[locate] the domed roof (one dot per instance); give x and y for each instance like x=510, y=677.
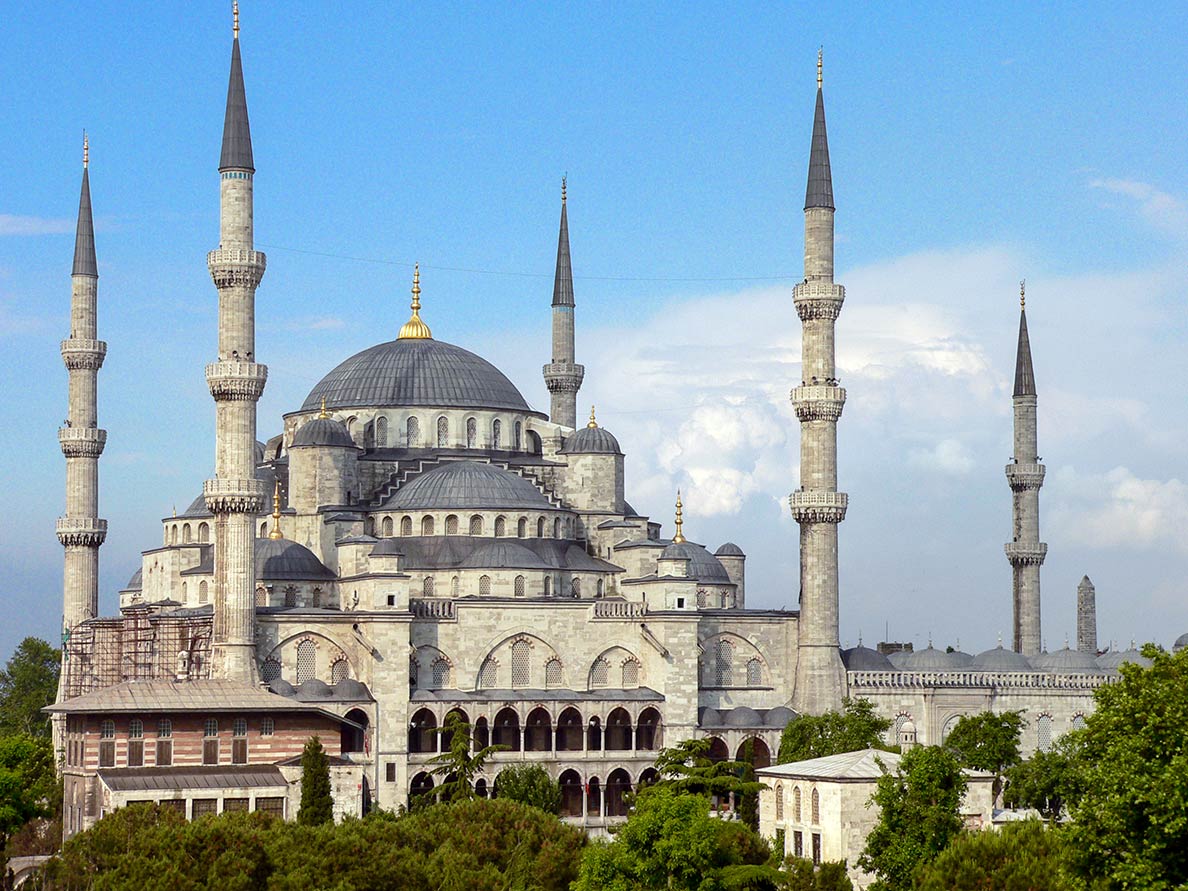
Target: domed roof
x=703, y=566
x=135, y=583
x=314, y=689
x=322, y=432
x=932, y=659
x=729, y=549
x=502, y=554
x=412, y=372
x=284, y=560
x=1068, y=661
x=1111, y=659
x=281, y=687
x=468, y=485
x=898, y=658
x=1181, y=642
x=999, y=659
x=862, y=658
x=708, y=717
x=591, y=441
x=778, y=716
x=742, y=716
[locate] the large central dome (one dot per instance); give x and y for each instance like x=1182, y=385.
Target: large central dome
x=410, y=372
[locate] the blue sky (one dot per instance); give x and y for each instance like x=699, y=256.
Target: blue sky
x=972, y=146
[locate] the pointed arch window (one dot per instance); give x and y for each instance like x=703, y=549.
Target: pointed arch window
x=427, y=586
x=455, y=587
x=779, y=802
x=816, y=808
x=540, y=527
x=443, y=432
x=556, y=527
x=203, y=533
x=1043, y=729
x=522, y=528
x=270, y=671
x=521, y=652
x=600, y=673
x=724, y=668
x=500, y=527
x=307, y=654
x=387, y=527
x=754, y=673
x=340, y=671
x=553, y=673
x=471, y=433
x=630, y=674
x=440, y=673
x=488, y=675
x=548, y=586
x=406, y=526
x=291, y=598
x=517, y=436
x=203, y=592
x=575, y=587
x=496, y=433
x=797, y=812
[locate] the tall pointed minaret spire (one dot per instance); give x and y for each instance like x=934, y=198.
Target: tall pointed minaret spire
x=563, y=376
x=236, y=381
x=1025, y=475
x=817, y=505
x=80, y=531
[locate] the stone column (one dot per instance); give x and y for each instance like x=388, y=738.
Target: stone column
x=1087, y=617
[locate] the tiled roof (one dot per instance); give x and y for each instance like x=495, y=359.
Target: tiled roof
x=170, y=696
x=138, y=779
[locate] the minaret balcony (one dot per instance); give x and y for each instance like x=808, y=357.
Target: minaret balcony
x=82, y=442
x=231, y=496
x=818, y=300
x=818, y=507
x=236, y=381
x=563, y=377
x=817, y=402
x=233, y=267
x=1025, y=554
x=78, y=353
x=1022, y=477
x=81, y=531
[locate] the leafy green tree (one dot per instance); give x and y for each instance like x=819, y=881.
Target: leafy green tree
x=317, y=805
x=1047, y=780
x=688, y=768
x=529, y=784
x=855, y=727
x=28, y=683
x=458, y=765
x=987, y=741
x=1129, y=826
x=799, y=874
x=29, y=787
x=748, y=801
x=1019, y=857
x=917, y=816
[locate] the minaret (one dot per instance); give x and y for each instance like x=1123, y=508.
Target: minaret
x=1087, y=617
x=563, y=376
x=81, y=531
x=236, y=381
x=1025, y=475
x=817, y=505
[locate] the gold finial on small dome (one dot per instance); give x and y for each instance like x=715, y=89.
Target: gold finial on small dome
x=235, y=19
x=414, y=328
x=820, y=64
x=322, y=413
x=86, y=150
x=1023, y=294
x=276, y=530
x=592, y=422
x=679, y=537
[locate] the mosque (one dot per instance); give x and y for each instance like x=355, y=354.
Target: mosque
x=418, y=541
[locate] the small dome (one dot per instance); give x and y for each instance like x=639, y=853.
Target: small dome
x=591, y=441
x=502, y=554
x=703, y=566
x=1110, y=660
x=932, y=659
x=862, y=658
x=259, y=452
x=778, y=716
x=314, y=689
x=349, y=688
x=1041, y=661
x=197, y=508
x=284, y=560
x=1068, y=661
x=742, y=716
x=898, y=658
x=999, y=659
x=708, y=717
x=323, y=432
x=466, y=485
x=135, y=583
x=1181, y=642
x=281, y=687
x=730, y=549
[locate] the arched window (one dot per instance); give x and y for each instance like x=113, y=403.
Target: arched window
x=630, y=674
x=779, y=802
x=136, y=743
x=173, y=534
x=797, y=815
x=203, y=532
x=754, y=673
x=427, y=586
x=270, y=670
x=548, y=586
x=894, y=733
x=291, y=598
x=476, y=525
x=522, y=528
x=488, y=675
x=164, y=743
x=381, y=432
x=369, y=435
x=426, y=525
x=553, y=673
x=439, y=674
x=519, y=586
x=414, y=432
x=556, y=527
x=496, y=433
x=948, y=728
x=455, y=587
x=598, y=589
x=387, y=527
x=406, y=525
x=471, y=433
x=500, y=527
x=443, y=432
x=340, y=670
x=701, y=602
x=575, y=587
x=1078, y=722
x=1043, y=730
x=540, y=527
x=484, y=586
x=724, y=667
x=263, y=530
x=186, y=533
x=307, y=654
x=816, y=808
x=600, y=673
x=452, y=525
x=203, y=592
x=368, y=526
x=518, y=436
x=107, y=744
x=521, y=663
x=316, y=598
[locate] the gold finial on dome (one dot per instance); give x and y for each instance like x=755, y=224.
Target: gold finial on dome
x=679, y=537
x=592, y=422
x=414, y=328
x=235, y=19
x=820, y=64
x=276, y=530
x=86, y=150
x=1023, y=294
x=322, y=413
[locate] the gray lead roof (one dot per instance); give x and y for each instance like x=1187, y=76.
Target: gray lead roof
x=820, y=181
x=237, y=136
x=468, y=485
x=1024, y=373
x=563, y=280
x=84, y=236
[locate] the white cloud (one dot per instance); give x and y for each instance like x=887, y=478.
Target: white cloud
x=1118, y=509
x=948, y=456
x=1158, y=208
x=10, y=224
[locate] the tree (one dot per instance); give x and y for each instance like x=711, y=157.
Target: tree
x=29, y=787
x=457, y=765
x=855, y=727
x=1020, y=857
x=1129, y=826
x=1047, y=780
x=748, y=801
x=799, y=874
x=917, y=816
x=317, y=805
x=28, y=683
x=529, y=784
x=688, y=768
x=987, y=741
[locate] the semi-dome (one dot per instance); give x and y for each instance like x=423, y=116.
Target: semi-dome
x=703, y=566
x=591, y=441
x=1068, y=661
x=461, y=485
x=999, y=659
x=284, y=560
x=1111, y=659
x=862, y=658
x=412, y=372
x=322, y=432
x=729, y=549
x=1181, y=642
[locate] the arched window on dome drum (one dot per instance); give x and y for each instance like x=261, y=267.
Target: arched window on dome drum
x=270, y=670
x=387, y=527
x=522, y=528
x=183, y=592
x=203, y=592
x=471, y=433
x=754, y=673
x=261, y=594
x=519, y=586
x=316, y=598
x=500, y=527
x=724, y=668
x=443, y=432
x=203, y=532
x=406, y=526
x=427, y=586
x=521, y=672
x=173, y=534
x=263, y=530
x=575, y=587
x=186, y=533
x=701, y=603
x=484, y=586
x=307, y=653
x=414, y=432
x=426, y=525
x=476, y=525
x=556, y=527
x=496, y=433
x=540, y=527
x=340, y=671
x=518, y=436
x=452, y=524
x=548, y=586
x=381, y=432
x=290, y=596
x=455, y=587
x=369, y=526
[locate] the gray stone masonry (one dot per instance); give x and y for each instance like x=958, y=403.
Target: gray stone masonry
x=1086, y=617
